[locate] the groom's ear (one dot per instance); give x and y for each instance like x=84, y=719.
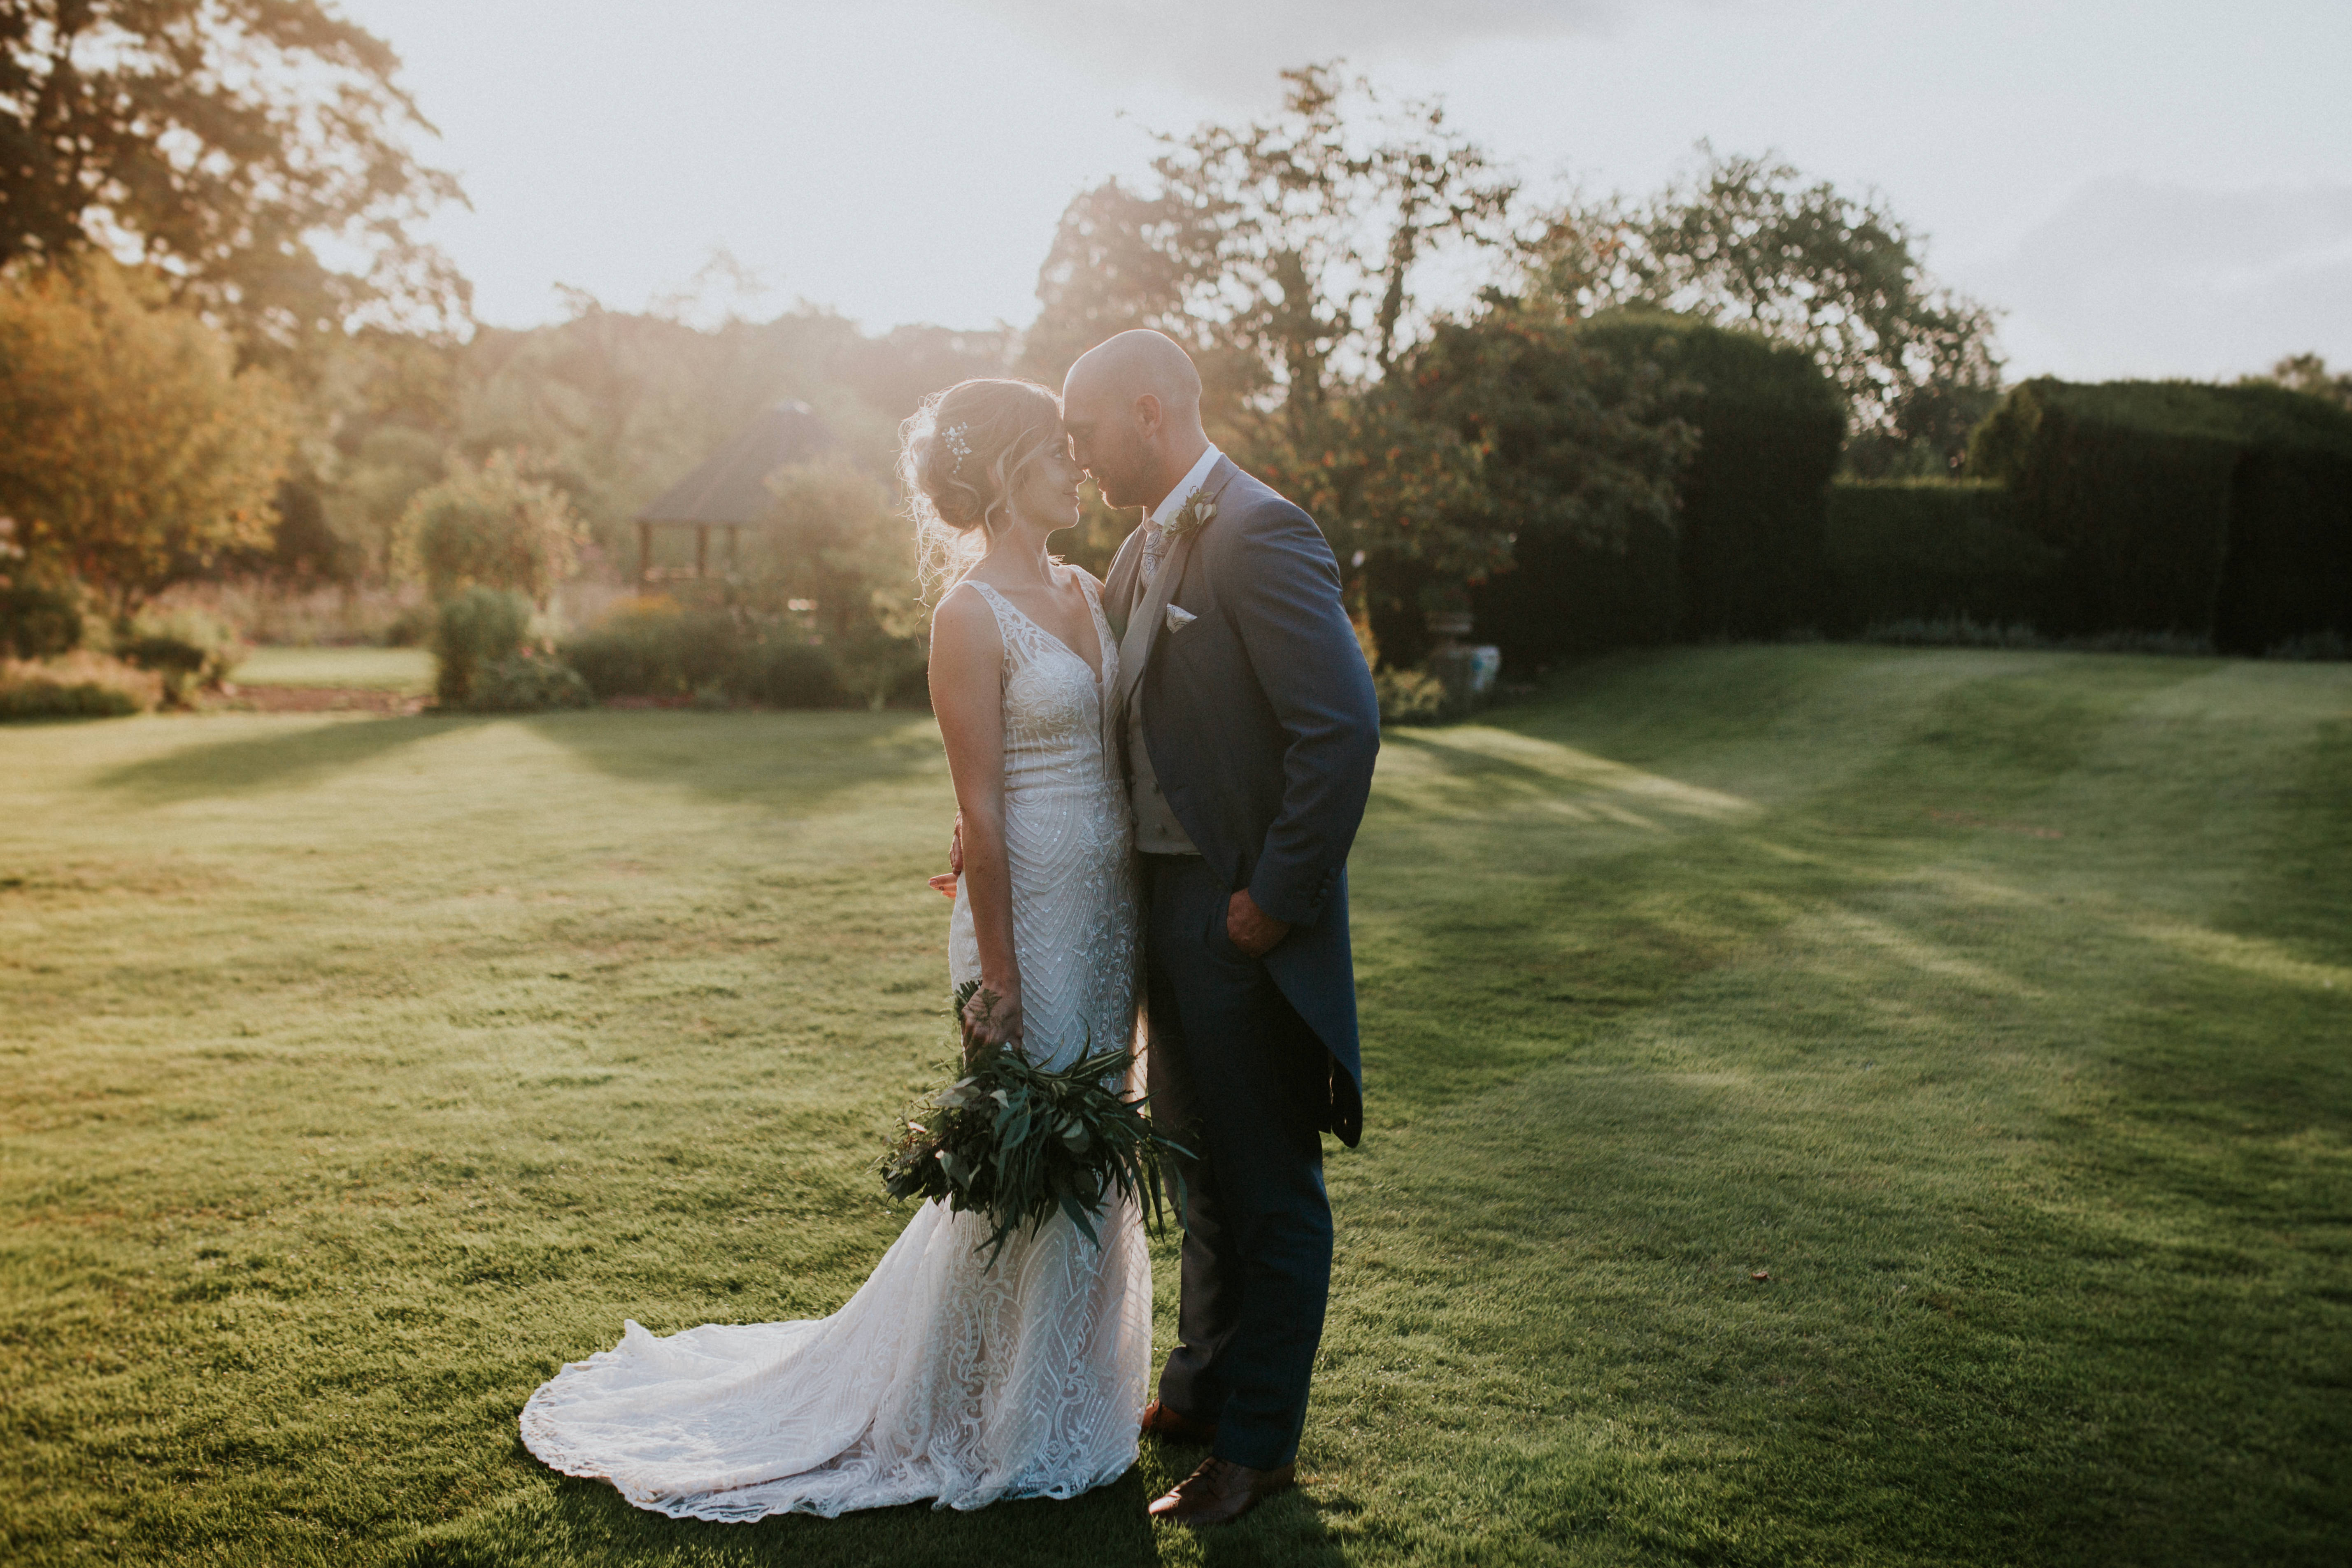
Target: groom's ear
x=1149, y=415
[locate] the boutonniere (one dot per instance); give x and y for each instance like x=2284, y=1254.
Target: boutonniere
x=1192, y=517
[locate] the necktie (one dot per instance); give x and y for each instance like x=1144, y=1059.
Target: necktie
x=1155, y=549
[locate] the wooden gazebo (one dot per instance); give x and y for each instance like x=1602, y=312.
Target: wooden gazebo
x=729, y=490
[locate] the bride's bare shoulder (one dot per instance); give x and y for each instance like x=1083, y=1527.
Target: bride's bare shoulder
x=963, y=619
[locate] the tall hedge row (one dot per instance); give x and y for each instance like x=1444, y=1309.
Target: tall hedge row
x=1746, y=556
x=1771, y=427
x=1934, y=550
x=2214, y=511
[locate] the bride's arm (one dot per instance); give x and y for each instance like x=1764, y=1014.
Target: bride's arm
x=968, y=696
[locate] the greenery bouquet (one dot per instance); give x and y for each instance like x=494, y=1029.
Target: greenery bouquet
x=1019, y=1142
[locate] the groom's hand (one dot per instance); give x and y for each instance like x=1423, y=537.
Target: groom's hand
x=1251, y=929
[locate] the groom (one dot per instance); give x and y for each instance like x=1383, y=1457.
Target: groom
x=1245, y=718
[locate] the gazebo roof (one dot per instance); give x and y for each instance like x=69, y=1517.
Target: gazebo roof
x=731, y=486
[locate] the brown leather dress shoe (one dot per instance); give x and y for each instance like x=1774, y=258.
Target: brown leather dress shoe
x=1220, y=1492
x=1162, y=1422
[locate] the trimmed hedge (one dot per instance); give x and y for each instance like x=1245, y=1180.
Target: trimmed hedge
x=1934, y=550
x=38, y=622
x=1746, y=557
x=674, y=653
x=1751, y=554
x=2208, y=511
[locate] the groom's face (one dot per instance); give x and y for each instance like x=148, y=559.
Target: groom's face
x=1108, y=441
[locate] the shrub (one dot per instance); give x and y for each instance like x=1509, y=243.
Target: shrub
x=38, y=622
x=2206, y=510
x=495, y=526
x=1409, y=697
x=1952, y=631
x=188, y=647
x=526, y=683
x=474, y=629
x=297, y=615
x=788, y=672
x=81, y=685
x=655, y=649
x=1751, y=551
x=1927, y=550
x=2328, y=645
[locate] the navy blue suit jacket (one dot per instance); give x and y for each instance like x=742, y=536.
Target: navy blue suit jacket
x=1263, y=728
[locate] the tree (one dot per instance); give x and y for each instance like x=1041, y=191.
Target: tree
x=2307, y=373
x=1283, y=251
x=841, y=557
x=490, y=525
x=220, y=140
x=1285, y=254
x=137, y=453
x=1500, y=428
x=1748, y=242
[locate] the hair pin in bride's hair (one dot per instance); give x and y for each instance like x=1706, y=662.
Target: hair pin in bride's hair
x=954, y=437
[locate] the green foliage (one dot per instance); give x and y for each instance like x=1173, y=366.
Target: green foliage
x=79, y=685
x=138, y=454
x=37, y=697
x=225, y=141
x=1283, y=251
x=494, y=524
x=656, y=647
x=1019, y=1143
x=841, y=552
x=37, y=621
x=1505, y=433
x=526, y=683
x=1749, y=538
x=2308, y=374
x=1746, y=243
x=472, y=631
x=2219, y=511
x=1409, y=696
x=786, y=671
x=1923, y=550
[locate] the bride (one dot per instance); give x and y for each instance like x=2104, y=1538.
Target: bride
x=944, y=1377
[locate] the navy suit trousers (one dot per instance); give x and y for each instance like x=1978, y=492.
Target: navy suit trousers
x=1237, y=1076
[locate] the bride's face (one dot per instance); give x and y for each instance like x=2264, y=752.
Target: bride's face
x=1047, y=491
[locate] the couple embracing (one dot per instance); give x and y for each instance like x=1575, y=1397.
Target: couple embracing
x=1158, y=779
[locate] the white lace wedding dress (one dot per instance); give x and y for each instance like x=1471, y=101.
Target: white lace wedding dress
x=941, y=1378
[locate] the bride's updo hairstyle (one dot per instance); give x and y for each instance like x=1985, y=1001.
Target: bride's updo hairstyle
x=960, y=459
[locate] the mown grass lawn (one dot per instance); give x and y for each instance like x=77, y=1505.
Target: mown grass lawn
x=406, y=670
x=1999, y=1006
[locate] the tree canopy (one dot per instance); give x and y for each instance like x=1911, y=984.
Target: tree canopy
x=2308, y=373
x=490, y=525
x=1749, y=242
x=1283, y=251
x=138, y=454
x=221, y=140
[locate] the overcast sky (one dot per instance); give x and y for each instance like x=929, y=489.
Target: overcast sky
x=2161, y=187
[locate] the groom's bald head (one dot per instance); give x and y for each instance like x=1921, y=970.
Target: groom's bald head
x=1136, y=364
x=1132, y=404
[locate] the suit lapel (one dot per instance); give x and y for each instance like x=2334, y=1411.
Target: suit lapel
x=1118, y=585
x=1142, y=634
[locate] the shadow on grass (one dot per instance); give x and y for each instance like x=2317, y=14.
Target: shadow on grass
x=569, y=1520
x=283, y=760
x=791, y=761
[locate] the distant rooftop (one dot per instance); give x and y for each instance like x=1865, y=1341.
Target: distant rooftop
x=731, y=486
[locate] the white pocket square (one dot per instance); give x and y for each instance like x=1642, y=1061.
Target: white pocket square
x=1179, y=617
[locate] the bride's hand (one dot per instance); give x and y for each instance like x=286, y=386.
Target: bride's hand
x=993, y=1017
